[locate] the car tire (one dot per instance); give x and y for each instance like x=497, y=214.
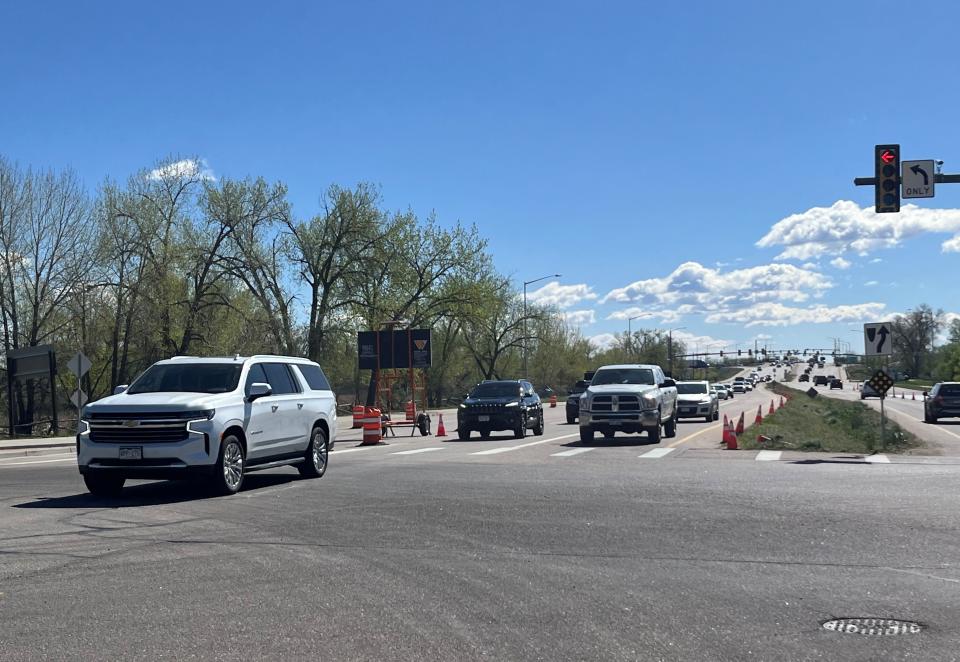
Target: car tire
x=709, y=417
x=716, y=414
x=927, y=418
x=103, y=484
x=654, y=433
x=571, y=419
x=520, y=431
x=670, y=427
x=314, y=463
x=484, y=434
x=538, y=428
x=586, y=435
x=463, y=434
x=228, y=476
x=609, y=434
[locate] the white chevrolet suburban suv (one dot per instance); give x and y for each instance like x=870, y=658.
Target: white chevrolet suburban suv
x=215, y=418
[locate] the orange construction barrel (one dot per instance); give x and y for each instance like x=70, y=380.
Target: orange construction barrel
x=371, y=426
x=358, y=416
x=553, y=399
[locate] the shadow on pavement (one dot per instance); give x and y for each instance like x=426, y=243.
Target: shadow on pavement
x=156, y=493
x=832, y=461
x=615, y=442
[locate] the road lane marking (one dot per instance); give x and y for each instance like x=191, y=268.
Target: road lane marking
x=657, y=453
x=877, y=459
x=350, y=450
x=505, y=449
x=769, y=456
x=695, y=434
x=418, y=450
x=571, y=452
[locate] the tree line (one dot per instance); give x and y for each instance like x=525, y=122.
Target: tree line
x=173, y=262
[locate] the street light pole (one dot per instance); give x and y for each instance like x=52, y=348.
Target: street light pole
x=670, y=348
x=525, y=283
x=630, y=333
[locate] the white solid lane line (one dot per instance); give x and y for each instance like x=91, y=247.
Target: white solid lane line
x=769, y=456
x=418, y=450
x=505, y=449
x=877, y=459
x=657, y=453
x=571, y=452
x=349, y=450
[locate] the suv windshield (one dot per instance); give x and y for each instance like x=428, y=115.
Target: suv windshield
x=188, y=378
x=691, y=388
x=623, y=376
x=496, y=390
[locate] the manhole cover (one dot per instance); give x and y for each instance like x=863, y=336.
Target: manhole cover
x=877, y=627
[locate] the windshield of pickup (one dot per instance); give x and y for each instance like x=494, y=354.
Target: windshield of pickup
x=686, y=389
x=188, y=378
x=496, y=390
x=623, y=376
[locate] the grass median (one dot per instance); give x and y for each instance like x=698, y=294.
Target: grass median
x=826, y=424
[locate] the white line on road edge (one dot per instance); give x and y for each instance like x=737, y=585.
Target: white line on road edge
x=418, y=450
x=494, y=451
x=657, y=452
x=572, y=451
x=769, y=456
x=350, y=450
x=877, y=459
x=19, y=464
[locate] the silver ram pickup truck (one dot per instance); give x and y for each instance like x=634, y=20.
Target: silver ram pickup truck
x=629, y=398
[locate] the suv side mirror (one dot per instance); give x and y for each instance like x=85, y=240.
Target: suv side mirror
x=258, y=390
x=120, y=389
x=925, y=393
x=667, y=383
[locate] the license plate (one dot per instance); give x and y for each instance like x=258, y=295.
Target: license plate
x=483, y=419
x=687, y=410
x=131, y=453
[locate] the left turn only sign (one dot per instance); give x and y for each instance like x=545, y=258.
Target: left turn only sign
x=916, y=178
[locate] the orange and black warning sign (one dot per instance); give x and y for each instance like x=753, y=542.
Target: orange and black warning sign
x=394, y=349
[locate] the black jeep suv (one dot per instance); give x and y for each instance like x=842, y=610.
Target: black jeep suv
x=500, y=405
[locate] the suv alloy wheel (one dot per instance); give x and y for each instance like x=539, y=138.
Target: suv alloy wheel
x=314, y=464
x=228, y=475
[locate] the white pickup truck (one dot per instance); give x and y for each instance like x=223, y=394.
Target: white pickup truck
x=629, y=398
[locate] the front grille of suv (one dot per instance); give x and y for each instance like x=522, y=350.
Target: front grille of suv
x=147, y=428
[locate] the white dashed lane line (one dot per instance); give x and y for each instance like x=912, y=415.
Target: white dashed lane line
x=877, y=459
x=768, y=456
x=506, y=449
x=571, y=452
x=418, y=450
x=657, y=453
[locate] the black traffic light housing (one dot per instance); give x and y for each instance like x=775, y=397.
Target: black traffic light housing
x=886, y=163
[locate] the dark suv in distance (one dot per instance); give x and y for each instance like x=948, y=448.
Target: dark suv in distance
x=496, y=405
x=820, y=380
x=943, y=401
x=573, y=401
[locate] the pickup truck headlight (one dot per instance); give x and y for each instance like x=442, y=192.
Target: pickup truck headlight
x=584, y=404
x=649, y=402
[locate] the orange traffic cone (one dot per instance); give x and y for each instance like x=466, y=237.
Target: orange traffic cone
x=724, y=421
x=782, y=402
x=901, y=395
x=740, y=424
x=771, y=407
x=759, y=419
x=913, y=396
x=732, y=441
x=441, y=431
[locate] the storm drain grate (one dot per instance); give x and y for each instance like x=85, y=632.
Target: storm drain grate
x=877, y=627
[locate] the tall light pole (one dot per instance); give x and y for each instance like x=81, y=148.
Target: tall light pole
x=630, y=332
x=525, y=283
x=670, y=348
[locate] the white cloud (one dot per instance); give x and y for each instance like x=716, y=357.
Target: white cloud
x=580, y=317
x=695, y=285
x=703, y=343
x=840, y=263
x=663, y=315
x=561, y=296
x=876, y=260
x=602, y=341
x=870, y=283
x=777, y=314
x=183, y=169
x=846, y=227
x=763, y=336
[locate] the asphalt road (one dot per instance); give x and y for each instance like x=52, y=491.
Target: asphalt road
x=940, y=438
x=436, y=549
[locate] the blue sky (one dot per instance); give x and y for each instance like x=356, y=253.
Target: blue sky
x=641, y=150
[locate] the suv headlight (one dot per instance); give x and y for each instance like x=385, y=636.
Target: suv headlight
x=512, y=404
x=202, y=415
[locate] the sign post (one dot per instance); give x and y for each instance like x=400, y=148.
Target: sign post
x=881, y=383
x=79, y=365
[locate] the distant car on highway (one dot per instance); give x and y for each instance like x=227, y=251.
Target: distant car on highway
x=721, y=391
x=820, y=380
x=942, y=401
x=867, y=391
x=573, y=400
x=510, y=404
x=836, y=383
x=695, y=399
x=805, y=377
x=729, y=388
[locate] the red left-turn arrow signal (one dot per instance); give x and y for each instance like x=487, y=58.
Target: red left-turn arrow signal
x=887, y=156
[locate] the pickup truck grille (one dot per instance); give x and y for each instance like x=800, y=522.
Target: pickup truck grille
x=146, y=428
x=615, y=403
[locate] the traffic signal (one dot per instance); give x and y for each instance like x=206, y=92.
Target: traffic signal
x=886, y=161
x=749, y=352
x=764, y=350
x=721, y=353
x=739, y=352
